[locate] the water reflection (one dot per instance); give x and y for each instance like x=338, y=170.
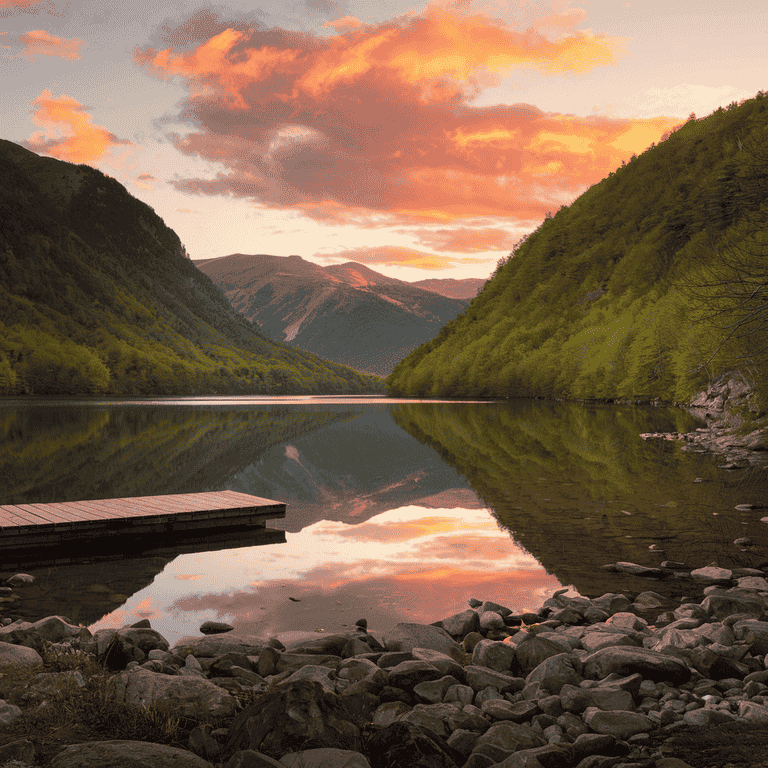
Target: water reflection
x=408, y=564
x=387, y=505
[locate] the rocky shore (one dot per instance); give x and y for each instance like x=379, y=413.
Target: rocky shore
x=726, y=406
x=618, y=681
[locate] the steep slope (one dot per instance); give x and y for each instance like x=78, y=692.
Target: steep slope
x=466, y=288
x=97, y=295
x=346, y=313
x=650, y=284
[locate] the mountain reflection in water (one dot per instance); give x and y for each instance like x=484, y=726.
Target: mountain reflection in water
x=396, y=511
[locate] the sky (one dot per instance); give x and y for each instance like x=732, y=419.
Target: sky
x=420, y=139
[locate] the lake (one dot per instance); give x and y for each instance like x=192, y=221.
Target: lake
x=397, y=510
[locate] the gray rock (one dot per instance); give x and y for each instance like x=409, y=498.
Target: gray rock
x=248, y=758
x=325, y=758
x=321, y=675
x=611, y=603
x=293, y=661
x=491, y=620
x=511, y=736
x=640, y=570
x=126, y=754
x=532, y=650
x=439, y=661
x=480, y=677
x=20, y=580
x=463, y=741
x=461, y=694
x=758, y=583
x=425, y=716
x=389, y=712
x=556, y=671
x=461, y=624
x=290, y=715
x=19, y=655
x=754, y=633
x=215, y=627
x=720, y=604
x=434, y=691
x=628, y=661
x=594, y=641
x=712, y=575
x=323, y=644
x=406, y=637
x=9, y=713
x=620, y=725
x=186, y=696
x=405, y=745
x=410, y=673
x=494, y=655
x=219, y=645
x=754, y=713
x=702, y=718
x=648, y=601
x=202, y=743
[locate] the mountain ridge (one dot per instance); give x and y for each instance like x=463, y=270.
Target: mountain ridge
x=346, y=313
x=98, y=295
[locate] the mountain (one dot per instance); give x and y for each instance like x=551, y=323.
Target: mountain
x=346, y=313
x=467, y=288
x=97, y=295
x=650, y=285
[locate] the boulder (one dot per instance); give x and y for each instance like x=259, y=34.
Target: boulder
x=433, y=691
x=126, y=754
x=556, y=671
x=712, y=575
x=723, y=603
x=406, y=745
x=9, y=713
x=491, y=620
x=532, y=650
x=410, y=673
x=19, y=655
x=628, y=661
x=185, y=696
x=439, y=661
x=611, y=603
x=511, y=736
x=217, y=645
x=619, y=724
x=295, y=716
x=215, y=627
x=406, y=637
x=318, y=674
x=494, y=655
x=461, y=624
x=594, y=641
x=479, y=678
x=389, y=712
x=754, y=633
x=324, y=758
x=248, y=758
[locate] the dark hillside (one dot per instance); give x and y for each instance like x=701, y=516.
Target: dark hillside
x=97, y=295
x=649, y=285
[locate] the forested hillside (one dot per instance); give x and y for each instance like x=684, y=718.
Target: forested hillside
x=97, y=295
x=649, y=285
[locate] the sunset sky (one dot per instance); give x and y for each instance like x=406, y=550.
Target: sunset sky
x=420, y=139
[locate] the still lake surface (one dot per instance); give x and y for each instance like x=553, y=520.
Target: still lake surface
x=397, y=510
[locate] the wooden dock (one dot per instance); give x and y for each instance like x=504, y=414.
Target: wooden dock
x=108, y=522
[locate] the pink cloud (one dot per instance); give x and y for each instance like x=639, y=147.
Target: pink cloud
x=38, y=42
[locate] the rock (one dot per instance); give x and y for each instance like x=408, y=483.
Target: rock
x=491, y=620
x=758, y=583
x=720, y=604
x=648, y=601
x=611, y=603
x=126, y=754
x=330, y=644
x=712, y=575
x=215, y=627
x=19, y=655
x=532, y=650
x=248, y=758
x=434, y=690
x=406, y=745
x=479, y=678
x=19, y=753
x=754, y=633
x=440, y=661
x=627, y=661
x=640, y=570
x=702, y=718
x=9, y=713
x=325, y=758
x=389, y=712
x=511, y=737
x=202, y=743
x=594, y=641
x=299, y=713
x=20, y=580
x=620, y=725
x=493, y=655
x=311, y=672
x=461, y=624
x=556, y=671
x=211, y=646
x=185, y=696
x=410, y=673
x=406, y=637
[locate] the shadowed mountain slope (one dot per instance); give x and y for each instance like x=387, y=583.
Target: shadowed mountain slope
x=97, y=295
x=346, y=313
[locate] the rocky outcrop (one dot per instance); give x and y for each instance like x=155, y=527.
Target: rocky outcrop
x=726, y=405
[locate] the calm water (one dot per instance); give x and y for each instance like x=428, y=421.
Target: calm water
x=397, y=510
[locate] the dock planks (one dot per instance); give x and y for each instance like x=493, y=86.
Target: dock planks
x=33, y=525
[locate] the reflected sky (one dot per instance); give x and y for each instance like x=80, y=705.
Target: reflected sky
x=407, y=564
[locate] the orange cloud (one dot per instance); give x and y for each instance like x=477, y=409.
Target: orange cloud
x=466, y=239
x=375, y=125
x=38, y=42
x=33, y=7
x=392, y=255
x=79, y=140
x=346, y=22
